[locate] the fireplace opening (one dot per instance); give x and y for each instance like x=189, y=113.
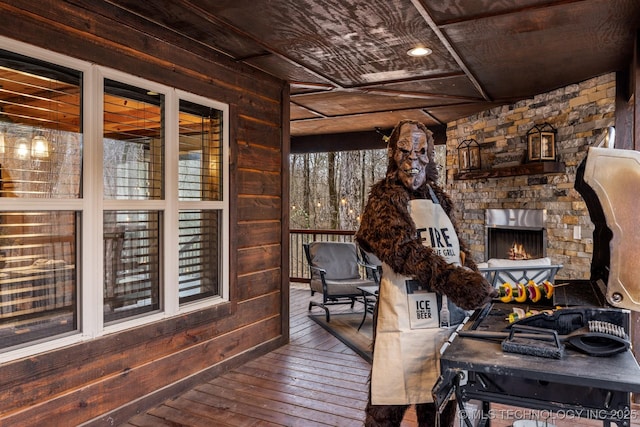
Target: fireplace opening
x=515, y=234
x=515, y=244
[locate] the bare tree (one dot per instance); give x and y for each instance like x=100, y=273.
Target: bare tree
x=307, y=189
x=333, y=196
x=329, y=190
x=350, y=190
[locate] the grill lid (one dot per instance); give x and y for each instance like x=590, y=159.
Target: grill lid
x=609, y=181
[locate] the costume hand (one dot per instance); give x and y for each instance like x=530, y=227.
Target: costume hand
x=468, y=289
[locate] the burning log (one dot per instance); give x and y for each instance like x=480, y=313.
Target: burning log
x=517, y=252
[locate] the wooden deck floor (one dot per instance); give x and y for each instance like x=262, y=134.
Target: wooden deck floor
x=315, y=380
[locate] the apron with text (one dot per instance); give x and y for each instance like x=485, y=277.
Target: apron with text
x=409, y=334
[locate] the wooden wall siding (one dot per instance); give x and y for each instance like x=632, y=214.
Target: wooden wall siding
x=84, y=382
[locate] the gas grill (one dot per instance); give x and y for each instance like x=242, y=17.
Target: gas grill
x=576, y=385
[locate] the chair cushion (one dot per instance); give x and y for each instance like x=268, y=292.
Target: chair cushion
x=339, y=260
x=342, y=287
x=497, y=262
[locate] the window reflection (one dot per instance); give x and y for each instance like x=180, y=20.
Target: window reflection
x=199, y=254
x=200, y=174
x=38, y=285
x=40, y=158
x=200, y=180
x=133, y=143
x=131, y=263
x=40, y=125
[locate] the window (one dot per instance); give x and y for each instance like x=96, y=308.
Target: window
x=200, y=152
x=38, y=284
x=132, y=263
x=40, y=158
x=133, y=144
x=200, y=180
x=40, y=129
x=199, y=254
x=133, y=170
x=161, y=236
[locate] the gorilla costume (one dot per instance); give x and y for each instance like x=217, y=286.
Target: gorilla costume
x=428, y=280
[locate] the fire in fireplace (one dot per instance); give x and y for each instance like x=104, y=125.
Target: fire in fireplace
x=515, y=233
x=518, y=251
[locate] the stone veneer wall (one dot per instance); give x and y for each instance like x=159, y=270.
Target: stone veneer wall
x=579, y=112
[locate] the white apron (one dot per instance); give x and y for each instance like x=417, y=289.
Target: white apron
x=406, y=356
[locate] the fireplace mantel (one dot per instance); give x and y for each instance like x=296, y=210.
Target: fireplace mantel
x=524, y=169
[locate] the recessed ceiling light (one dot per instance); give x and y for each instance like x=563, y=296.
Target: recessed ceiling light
x=419, y=51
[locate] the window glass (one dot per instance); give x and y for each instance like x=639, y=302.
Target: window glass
x=40, y=158
x=200, y=136
x=131, y=263
x=199, y=254
x=40, y=125
x=133, y=143
x=41, y=244
x=38, y=284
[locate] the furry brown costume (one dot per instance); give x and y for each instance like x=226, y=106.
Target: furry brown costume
x=388, y=231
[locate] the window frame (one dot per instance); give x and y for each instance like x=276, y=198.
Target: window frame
x=183, y=205
x=91, y=205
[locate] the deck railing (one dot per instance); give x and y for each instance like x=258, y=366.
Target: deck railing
x=298, y=267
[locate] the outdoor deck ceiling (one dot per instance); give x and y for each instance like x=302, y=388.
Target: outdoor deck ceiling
x=346, y=61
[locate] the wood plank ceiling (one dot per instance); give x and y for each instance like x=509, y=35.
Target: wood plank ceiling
x=347, y=62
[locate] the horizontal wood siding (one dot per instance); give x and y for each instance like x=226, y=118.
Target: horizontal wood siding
x=260, y=182
x=153, y=362
x=266, y=232
x=260, y=283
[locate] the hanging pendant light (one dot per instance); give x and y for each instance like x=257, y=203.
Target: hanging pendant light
x=39, y=147
x=22, y=148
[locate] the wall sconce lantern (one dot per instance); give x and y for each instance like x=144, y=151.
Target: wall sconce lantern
x=469, y=155
x=541, y=143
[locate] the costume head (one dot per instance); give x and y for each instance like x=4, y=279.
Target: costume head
x=411, y=153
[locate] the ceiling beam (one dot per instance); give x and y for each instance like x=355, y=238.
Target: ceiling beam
x=369, y=140
x=445, y=41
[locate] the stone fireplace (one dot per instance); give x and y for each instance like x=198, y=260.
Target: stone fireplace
x=507, y=184
x=515, y=234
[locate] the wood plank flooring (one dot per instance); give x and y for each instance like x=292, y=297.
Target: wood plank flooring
x=315, y=380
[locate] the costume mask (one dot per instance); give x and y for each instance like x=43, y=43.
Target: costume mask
x=411, y=156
